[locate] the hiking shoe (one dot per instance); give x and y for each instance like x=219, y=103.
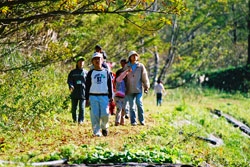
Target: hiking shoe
x=117, y=123
x=142, y=123
x=97, y=135
x=126, y=116
x=104, y=132
x=134, y=124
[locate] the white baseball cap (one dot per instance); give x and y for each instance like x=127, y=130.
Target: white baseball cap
x=97, y=54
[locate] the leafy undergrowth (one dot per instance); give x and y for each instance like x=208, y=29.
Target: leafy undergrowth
x=173, y=134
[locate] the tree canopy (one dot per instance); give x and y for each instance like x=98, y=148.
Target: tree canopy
x=44, y=28
x=194, y=35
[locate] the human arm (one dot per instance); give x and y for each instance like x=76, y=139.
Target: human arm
x=88, y=84
x=145, y=79
x=110, y=87
x=123, y=74
x=70, y=81
x=163, y=90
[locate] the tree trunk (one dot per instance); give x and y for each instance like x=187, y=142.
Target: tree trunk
x=156, y=65
x=155, y=54
x=248, y=20
x=235, y=27
x=171, y=51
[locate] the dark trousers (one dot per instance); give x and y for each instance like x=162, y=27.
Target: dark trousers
x=158, y=99
x=81, y=105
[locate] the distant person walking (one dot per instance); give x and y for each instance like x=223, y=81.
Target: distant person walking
x=76, y=82
x=136, y=79
x=99, y=92
x=159, y=90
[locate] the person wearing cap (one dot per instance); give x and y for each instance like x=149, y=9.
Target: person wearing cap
x=76, y=82
x=136, y=79
x=108, y=66
x=99, y=92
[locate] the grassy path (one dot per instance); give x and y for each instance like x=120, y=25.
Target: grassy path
x=168, y=128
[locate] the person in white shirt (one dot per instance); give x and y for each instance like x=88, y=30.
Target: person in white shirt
x=99, y=92
x=159, y=90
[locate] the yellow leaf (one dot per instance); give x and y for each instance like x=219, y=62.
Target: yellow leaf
x=169, y=22
x=5, y=9
x=5, y=118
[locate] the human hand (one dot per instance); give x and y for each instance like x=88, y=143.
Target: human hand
x=111, y=100
x=87, y=103
x=129, y=69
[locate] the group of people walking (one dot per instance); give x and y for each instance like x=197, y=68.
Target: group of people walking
x=98, y=87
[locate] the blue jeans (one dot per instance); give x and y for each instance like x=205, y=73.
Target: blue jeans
x=80, y=117
x=126, y=106
x=99, y=113
x=135, y=98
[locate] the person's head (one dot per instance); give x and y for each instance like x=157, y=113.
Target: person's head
x=79, y=62
x=97, y=60
x=98, y=48
x=158, y=81
x=123, y=62
x=133, y=56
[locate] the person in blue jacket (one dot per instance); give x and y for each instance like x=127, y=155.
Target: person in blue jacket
x=76, y=82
